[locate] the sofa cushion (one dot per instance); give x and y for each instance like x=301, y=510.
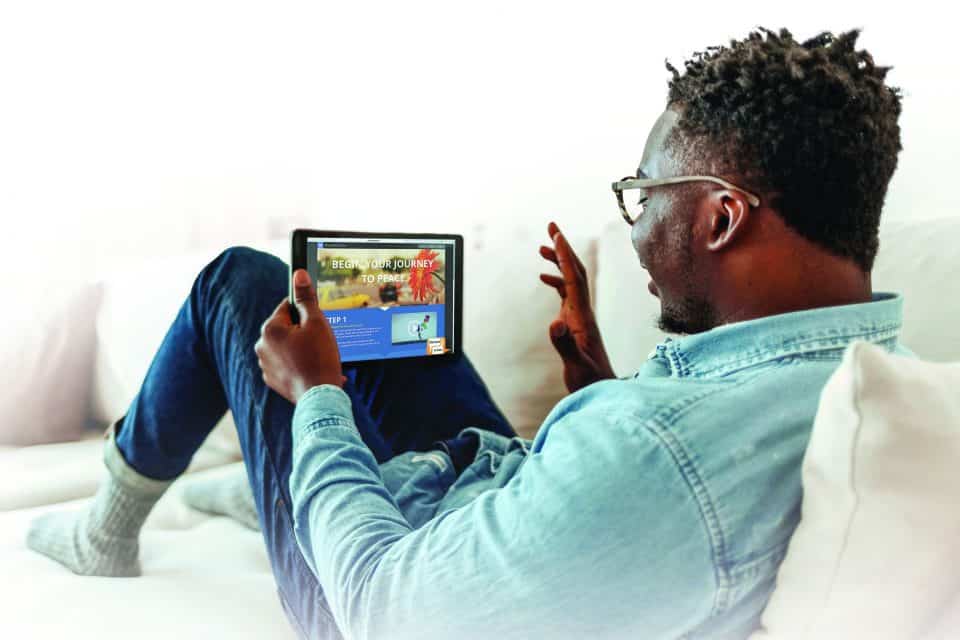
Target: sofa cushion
x=626, y=311
x=202, y=576
x=507, y=315
x=51, y=473
x=917, y=259
x=877, y=549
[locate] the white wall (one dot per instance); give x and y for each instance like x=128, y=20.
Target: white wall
x=144, y=128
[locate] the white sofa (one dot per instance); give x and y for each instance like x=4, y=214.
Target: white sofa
x=208, y=577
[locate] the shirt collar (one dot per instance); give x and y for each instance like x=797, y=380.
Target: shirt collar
x=741, y=344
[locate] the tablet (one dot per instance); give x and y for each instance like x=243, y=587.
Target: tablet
x=386, y=295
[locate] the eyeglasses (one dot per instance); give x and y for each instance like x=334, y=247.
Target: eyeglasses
x=631, y=212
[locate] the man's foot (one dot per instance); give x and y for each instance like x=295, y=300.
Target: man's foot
x=101, y=539
x=226, y=495
x=71, y=540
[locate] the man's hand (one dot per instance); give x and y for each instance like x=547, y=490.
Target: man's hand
x=294, y=358
x=574, y=332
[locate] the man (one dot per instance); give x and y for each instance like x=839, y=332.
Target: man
x=655, y=505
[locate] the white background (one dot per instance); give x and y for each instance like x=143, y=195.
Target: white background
x=139, y=129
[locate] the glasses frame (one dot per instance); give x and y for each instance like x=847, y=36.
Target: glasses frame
x=633, y=182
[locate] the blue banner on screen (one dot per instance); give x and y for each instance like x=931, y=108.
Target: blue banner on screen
x=385, y=297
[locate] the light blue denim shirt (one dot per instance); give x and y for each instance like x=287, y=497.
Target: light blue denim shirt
x=653, y=506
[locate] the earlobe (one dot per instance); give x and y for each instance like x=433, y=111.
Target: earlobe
x=728, y=218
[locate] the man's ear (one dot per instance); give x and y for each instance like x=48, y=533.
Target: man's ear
x=729, y=213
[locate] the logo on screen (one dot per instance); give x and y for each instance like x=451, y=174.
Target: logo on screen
x=436, y=346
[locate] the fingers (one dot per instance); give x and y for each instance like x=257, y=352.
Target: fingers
x=564, y=342
x=556, y=282
x=304, y=296
x=572, y=254
x=552, y=229
x=272, y=331
x=280, y=317
x=551, y=254
x=575, y=280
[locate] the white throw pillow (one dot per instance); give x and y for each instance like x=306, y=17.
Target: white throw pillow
x=140, y=302
x=47, y=356
x=877, y=551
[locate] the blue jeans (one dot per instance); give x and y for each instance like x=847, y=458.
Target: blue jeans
x=206, y=365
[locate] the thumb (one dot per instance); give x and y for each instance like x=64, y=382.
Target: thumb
x=304, y=295
x=564, y=343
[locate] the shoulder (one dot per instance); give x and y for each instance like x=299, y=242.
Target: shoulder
x=668, y=399
x=625, y=403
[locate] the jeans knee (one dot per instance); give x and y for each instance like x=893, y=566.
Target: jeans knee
x=246, y=259
x=245, y=265
x=241, y=272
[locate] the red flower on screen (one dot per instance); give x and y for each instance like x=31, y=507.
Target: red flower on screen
x=421, y=277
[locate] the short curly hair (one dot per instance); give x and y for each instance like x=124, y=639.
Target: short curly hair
x=811, y=126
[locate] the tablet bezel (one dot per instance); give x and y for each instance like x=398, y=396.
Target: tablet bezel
x=298, y=260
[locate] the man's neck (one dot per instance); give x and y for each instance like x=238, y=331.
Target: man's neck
x=776, y=288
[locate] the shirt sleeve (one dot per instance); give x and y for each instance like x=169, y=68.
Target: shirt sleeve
x=597, y=535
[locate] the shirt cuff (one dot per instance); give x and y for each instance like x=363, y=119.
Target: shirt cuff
x=325, y=403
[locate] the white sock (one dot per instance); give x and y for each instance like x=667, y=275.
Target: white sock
x=102, y=538
x=225, y=495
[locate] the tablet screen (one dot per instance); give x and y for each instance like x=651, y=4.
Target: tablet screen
x=385, y=297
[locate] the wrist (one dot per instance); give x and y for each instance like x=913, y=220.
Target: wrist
x=596, y=348
x=302, y=386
